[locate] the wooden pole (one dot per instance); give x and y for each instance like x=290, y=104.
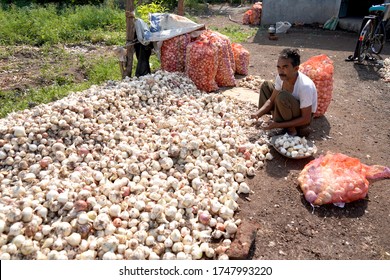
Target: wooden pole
x=180, y=8
x=130, y=32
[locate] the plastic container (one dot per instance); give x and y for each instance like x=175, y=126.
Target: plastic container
x=282, y=26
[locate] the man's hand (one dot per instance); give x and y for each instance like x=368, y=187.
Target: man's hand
x=269, y=125
x=255, y=116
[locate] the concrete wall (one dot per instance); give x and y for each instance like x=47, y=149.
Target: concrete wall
x=306, y=11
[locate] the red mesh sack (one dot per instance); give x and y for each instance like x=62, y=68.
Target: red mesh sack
x=226, y=65
x=228, y=48
x=201, y=64
x=241, y=58
x=246, y=19
x=255, y=16
x=337, y=178
x=173, y=53
x=320, y=70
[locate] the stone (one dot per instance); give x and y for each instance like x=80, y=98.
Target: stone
x=242, y=246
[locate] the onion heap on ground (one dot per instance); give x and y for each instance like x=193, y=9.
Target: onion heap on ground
x=252, y=82
x=320, y=69
x=384, y=72
x=145, y=168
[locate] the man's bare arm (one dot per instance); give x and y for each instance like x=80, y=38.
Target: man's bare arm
x=266, y=108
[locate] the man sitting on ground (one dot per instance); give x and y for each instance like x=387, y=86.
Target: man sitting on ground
x=292, y=100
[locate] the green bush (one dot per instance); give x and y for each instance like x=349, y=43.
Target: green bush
x=38, y=25
x=22, y=3
x=142, y=11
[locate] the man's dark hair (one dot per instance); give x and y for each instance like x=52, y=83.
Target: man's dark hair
x=292, y=54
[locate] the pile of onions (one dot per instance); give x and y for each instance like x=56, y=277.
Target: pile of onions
x=145, y=168
x=320, y=69
x=241, y=58
x=252, y=82
x=384, y=72
x=201, y=64
x=173, y=53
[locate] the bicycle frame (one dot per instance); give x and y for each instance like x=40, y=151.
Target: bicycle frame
x=372, y=34
x=362, y=33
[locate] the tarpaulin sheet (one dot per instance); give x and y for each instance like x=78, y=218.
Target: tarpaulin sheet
x=164, y=26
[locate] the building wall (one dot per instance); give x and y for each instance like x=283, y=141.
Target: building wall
x=306, y=11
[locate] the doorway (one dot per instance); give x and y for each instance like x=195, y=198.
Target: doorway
x=356, y=8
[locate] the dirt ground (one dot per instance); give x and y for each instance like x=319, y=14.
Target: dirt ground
x=356, y=124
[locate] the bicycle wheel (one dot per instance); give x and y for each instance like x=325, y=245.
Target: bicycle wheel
x=364, y=41
x=379, y=38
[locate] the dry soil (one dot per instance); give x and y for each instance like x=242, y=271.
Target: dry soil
x=356, y=124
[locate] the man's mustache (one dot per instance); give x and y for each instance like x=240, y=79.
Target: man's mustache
x=282, y=75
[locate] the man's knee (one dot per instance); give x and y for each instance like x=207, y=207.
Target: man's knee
x=283, y=98
x=267, y=86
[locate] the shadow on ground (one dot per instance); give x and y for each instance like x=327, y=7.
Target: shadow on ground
x=368, y=71
x=313, y=38
x=350, y=210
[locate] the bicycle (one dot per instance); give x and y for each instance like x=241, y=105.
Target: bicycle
x=372, y=36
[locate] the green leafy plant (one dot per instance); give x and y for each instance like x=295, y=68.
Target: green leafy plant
x=142, y=11
x=39, y=25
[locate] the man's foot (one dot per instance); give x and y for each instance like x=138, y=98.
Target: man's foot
x=292, y=131
x=304, y=132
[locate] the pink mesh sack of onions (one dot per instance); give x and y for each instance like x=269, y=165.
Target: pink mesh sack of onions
x=226, y=65
x=337, y=178
x=320, y=69
x=246, y=18
x=255, y=17
x=173, y=53
x=241, y=57
x=201, y=64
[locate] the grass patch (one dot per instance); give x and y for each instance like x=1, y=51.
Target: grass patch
x=97, y=71
x=103, y=69
x=39, y=25
x=237, y=34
